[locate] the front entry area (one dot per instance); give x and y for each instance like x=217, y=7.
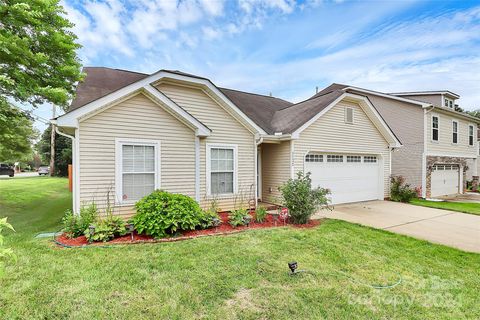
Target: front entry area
x=350, y=178
x=445, y=179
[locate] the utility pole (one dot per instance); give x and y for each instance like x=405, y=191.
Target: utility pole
x=52, y=144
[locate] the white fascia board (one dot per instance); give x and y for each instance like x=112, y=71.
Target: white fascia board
x=385, y=95
x=426, y=93
x=454, y=113
x=70, y=119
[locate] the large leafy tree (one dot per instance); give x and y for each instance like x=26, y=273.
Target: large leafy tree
x=38, y=60
x=16, y=133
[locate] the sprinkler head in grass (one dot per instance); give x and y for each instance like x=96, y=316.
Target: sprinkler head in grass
x=293, y=266
x=216, y=223
x=91, y=232
x=130, y=228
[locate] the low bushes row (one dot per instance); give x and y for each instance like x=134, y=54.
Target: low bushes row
x=162, y=214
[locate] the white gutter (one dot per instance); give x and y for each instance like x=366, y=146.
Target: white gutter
x=424, y=155
x=76, y=209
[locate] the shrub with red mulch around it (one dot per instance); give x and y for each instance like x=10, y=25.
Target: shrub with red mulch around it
x=223, y=229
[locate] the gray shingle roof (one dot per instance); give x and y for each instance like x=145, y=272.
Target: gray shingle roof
x=270, y=113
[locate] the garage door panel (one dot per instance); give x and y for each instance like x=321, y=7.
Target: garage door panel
x=445, y=180
x=348, y=182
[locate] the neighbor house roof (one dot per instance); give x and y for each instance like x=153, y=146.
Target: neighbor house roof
x=426, y=93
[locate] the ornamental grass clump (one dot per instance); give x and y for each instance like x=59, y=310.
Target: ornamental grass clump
x=301, y=199
x=162, y=213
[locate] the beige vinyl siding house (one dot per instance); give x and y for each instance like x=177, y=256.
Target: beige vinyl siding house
x=138, y=118
x=133, y=133
x=445, y=144
x=225, y=130
x=330, y=134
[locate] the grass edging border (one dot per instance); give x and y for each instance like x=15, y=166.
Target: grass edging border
x=180, y=238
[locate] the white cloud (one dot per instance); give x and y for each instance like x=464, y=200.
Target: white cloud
x=213, y=7
x=210, y=33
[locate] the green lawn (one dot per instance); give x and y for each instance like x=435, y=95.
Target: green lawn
x=242, y=276
x=466, y=207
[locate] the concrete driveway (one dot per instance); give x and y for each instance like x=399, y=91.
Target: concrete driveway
x=450, y=228
x=465, y=197
x=21, y=175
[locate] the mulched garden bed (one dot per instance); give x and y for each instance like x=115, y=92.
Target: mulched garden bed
x=224, y=229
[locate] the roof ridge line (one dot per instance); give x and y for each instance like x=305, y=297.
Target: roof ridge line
x=311, y=98
x=256, y=94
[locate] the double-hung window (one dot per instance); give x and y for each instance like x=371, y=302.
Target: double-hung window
x=455, y=132
x=221, y=169
x=471, y=135
x=434, y=128
x=137, y=169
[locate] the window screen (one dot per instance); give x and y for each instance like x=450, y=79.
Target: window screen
x=221, y=170
x=138, y=171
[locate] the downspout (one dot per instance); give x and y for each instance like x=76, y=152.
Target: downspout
x=257, y=143
x=74, y=176
x=424, y=155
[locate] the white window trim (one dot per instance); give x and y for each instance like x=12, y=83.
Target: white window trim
x=438, y=129
x=119, y=142
x=353, y=115
x=234, y=147
x=455, y=121
x=468, y=135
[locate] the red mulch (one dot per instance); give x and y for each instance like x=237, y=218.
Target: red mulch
x=223, y=229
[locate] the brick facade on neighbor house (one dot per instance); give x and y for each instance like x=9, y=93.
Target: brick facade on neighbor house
x=433, y=160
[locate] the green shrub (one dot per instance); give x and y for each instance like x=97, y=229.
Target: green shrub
x=75, y=226
x=107, y=229
x=207, y=219
x=260, y=214
x=236, y=217
x=400, y=191
x=301, y=200
x=162, y=213
x=5, y=253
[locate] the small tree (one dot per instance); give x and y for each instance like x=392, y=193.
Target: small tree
x=301, y=200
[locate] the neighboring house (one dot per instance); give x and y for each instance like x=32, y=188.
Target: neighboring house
x=439, y=144
x=133, y=133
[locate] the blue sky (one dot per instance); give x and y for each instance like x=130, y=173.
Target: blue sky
x=289, y=47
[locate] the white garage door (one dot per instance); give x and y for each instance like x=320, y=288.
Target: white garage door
x=445, y=179
x=350, y=178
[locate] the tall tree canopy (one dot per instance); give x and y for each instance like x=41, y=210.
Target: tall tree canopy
x=38, y=60
x=16, y=133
